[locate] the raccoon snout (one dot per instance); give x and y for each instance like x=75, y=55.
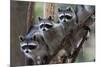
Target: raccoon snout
x=27, y=51
x=64, y=20
x=44, y=30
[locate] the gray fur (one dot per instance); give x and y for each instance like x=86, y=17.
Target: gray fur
x=37, y=54
x=54, y=35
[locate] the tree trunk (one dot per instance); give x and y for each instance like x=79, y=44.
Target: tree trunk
x=49, y=10
x=21, y=19
x=30, y=14
x=18, y=26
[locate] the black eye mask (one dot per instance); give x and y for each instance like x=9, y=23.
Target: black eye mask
x=61, y=17
x=41, y=26
x=29, y=47
x=68, y=17
x=65, y=16
x=46, y=25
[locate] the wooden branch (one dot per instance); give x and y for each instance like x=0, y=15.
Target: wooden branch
x=77, y=50
x=85, y=25
x=29, y=23
x=49, y=10
x=29, y=15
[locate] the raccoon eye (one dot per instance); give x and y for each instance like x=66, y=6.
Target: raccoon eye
x=61, y=17
x=32, y=47
x=68, y=17
x=48, y=26
x=29, y=47
x=41, y=26
x=24, y=47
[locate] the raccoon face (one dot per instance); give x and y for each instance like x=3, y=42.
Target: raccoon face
x=34, y=50
x=45, y=24
x=65, y=15
x=27, y=45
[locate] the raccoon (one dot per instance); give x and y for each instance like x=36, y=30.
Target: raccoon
x=45, y=24
x=65, y=15
x=34, y=46
x=67, y=18
x=54, y=34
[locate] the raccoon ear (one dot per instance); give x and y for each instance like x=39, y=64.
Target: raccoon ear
x=21, y=38
x=50, y=18
x=34, y=37
x=69, y=9
x=59, y=9
x=39, y=18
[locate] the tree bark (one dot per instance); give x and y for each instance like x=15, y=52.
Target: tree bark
x=18, y=27
x=49, y=10
x=30, y=14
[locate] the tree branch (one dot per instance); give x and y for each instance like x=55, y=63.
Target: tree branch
x=29, y=15
x=77, y=50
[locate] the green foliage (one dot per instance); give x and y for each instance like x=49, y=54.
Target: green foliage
x=39, y=9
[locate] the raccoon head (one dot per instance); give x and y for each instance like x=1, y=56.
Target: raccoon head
x=28, y=44
x=65, y=15
x=34, y=49
x=45, y=24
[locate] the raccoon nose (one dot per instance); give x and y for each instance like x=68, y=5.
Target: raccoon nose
x=44, y=30
x=27, y=51
x=64, y=20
